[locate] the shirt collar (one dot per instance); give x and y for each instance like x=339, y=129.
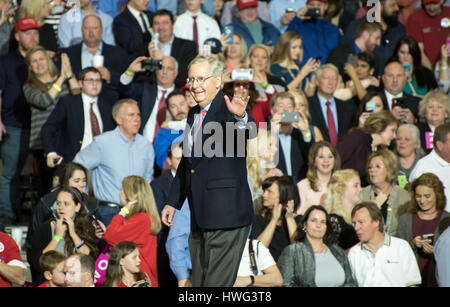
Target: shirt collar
x=123, y=138
x=387, y=242
x=324, y=101
x=87, y=100
x=439, y=159
x=134, y=12
x=84, y=48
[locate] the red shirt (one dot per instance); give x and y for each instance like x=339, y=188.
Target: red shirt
x=9, y=254
x=136, y=229
x=428, y=30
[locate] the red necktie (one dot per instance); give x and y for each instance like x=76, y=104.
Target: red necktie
x=161, y=115
x=195, y=31
x=331, y=126
x=94, y=121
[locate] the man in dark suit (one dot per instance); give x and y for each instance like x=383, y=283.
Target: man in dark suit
x=294, y=144
x=332, y=116
x=71, y=126
x=212, y=175
x=184, y=51
x=131, y=28
x=115, y=59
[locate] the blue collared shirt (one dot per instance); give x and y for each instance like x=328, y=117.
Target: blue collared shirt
x=112, y=157
x=86, y=56
x=323, y=106
x=285, y=143
x=177, y=246
x=69, y=29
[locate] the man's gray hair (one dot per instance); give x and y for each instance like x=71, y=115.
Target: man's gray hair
x=217, y=67
x=118, y=106
x=320, y=70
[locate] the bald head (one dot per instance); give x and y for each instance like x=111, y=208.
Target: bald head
x=394, y=78
x=92, y=31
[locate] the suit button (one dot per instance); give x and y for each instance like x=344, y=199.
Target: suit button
x=192, y=171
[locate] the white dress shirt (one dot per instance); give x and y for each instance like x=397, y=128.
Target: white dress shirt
x=206, y=26
x=149, y=129
x=87, y=135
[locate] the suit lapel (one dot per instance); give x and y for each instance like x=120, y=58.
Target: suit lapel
x=317, y=112
x=78, y=113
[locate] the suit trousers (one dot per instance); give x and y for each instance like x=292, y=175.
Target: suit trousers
x=216, y=255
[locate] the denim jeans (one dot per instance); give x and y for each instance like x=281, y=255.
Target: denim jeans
x=107, y=213
x=14, y=150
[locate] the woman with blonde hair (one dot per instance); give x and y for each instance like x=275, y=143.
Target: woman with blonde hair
x=301, y=106
x=286, y=58
x=235, y=53
x=138, y=221
x=343, y=194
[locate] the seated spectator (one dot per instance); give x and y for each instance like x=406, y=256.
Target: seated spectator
x=63, y=135
x=434, y=110
x=69, y=29
x=114, y=60
x=39, y=10
x=261, y=161
x=70, y=233
x=331, y=115
x=253, y=29
x=372, y=102
x=318, y=34
x=178, y=110
x=441, y=71
x=265, y=82
x=294, y=143
x=391, y=199
x=124, y=267
x=138, y=221
x=79, y=270
x=378, y=130
x=44, y=88
x=420, y=225
x=362, y=77
x=438, y=160
x=261, y=271
x=12, y=268
x=195, y=25
x=276, y=225
x=235, y=53
x=368, y=36
x=314, y=260
x=408, y=150
x=426, y=27
x=71, y=175
x=343, y=194
x=286, y=59
x=420, y=79
x=323, y=161
x=302, y=106
x=386, y=14
x=380, y=260
x=132, y=27
x=52, y=267
x=230, y=12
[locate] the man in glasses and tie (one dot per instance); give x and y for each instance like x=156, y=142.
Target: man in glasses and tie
x=212, y=175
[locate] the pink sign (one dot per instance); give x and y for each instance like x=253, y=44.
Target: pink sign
x=101, y=265
x=429, y=139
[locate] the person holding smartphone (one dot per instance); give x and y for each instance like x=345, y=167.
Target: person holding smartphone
x=441, y=70
x=420, y=224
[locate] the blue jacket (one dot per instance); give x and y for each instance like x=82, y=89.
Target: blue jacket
x=318, y=35
x=270, y=33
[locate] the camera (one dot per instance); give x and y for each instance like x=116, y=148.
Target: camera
x=242, y=74
x=151, y=65
x=313, y=13
x=290, y=117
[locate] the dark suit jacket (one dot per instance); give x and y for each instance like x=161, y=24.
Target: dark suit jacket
x=345, y=113
x=217, y=187
x=411, y=102
x=116, y=60
x=128, y=33
x=299, y=156
x=63, y=131
x=184, y=51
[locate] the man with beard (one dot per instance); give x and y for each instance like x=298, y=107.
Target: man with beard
x=393, y=31
x=368, y=37
x=430, y=26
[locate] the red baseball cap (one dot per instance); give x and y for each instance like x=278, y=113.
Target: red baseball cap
x=242, y=4
x=430, y=1
x=27, y=23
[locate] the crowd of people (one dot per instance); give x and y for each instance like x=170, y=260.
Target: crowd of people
x=227, y=143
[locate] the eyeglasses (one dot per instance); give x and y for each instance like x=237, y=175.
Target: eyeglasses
x=200, y=80
x=93, y=80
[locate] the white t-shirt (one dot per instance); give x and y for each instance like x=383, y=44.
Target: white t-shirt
x=263, y=259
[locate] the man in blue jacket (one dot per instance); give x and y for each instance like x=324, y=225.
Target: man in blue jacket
x=253, y=29
x=318, y=34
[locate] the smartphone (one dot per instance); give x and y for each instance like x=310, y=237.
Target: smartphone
x=407, y=67
x=352, y=59
x=229, y=32
x=290, y=10
x=313, y=13
x=370, y=107
x=290, y=117
x=57, y=161
x=242, y=74
x=429, y=236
